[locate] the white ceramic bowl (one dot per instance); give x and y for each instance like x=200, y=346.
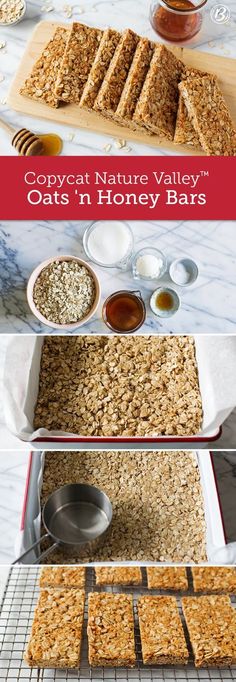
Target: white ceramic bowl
x=13, y=23
x=190, y=266
x=30, y=287
x=165, y=313
x=152, y=252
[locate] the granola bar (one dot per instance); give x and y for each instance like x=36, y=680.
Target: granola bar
x=209, y=115
x=157, y=105
x=134, y=83
x=184, y=130
x=41, y=82
x=56, y=633
x=63, y=576
x=161, y=630
x=111, y=630
x=218, y=579
x=211, y=623
x=108, y=44
x=81, y=48
x=118, y=575
x=119, y=386
x=167, y=578
x=114, y=81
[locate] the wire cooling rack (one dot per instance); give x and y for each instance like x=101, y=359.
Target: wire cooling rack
x=20, y=597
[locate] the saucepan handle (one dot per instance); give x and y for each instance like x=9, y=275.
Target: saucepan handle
x=35, y=544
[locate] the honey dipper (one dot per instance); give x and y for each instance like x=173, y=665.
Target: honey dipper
x=25, y=142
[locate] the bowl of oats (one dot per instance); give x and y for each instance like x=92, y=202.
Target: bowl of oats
x=63, y=292
x=12, y=12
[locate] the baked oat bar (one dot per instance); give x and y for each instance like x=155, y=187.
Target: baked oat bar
x=134, y=83
x=158, y=102
x=118, y=575
x=161, y=630
x=63, y=576
x=184, y=130
x=209, y=115
x=119, y=386
x=40, y=83
x=115, y=78
x=211, y=623
x=105, y=52
x=56, y=633
x=167, y=578
x=82, y=45
x=218, y=579
x=111, y=630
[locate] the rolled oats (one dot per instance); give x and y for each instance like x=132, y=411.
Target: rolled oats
x=218, y=579
x=111, y=630
x=11, y=11
x=56, y=632
x=167, y=578
x=162, y=635
x=119, y=386
x=211, y=623
x=209, y=115
x=41, y=82
x=64, y=292
x=82, y=45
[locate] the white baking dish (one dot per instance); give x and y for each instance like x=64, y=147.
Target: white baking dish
x=30, y=523
x=216, y=360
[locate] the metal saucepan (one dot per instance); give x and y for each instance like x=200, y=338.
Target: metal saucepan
x=77, y=517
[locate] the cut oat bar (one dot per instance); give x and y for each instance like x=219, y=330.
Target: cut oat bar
x=108, y=44
x=114, y=81
x=167, y=578
x=157, y=105
x=134, y=83
x=211, y=623
x=81, y=48
x=162, y=635
x=218, y=579
x=111, y=630
x=118, y=575
x=184, y=130
x=63, y=576
x=40, y=83
x=56, y=633
x=209, y=115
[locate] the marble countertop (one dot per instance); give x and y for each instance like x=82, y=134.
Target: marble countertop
x=208, y=306
x=8, y=441
x=13, y=470
x=213, y=39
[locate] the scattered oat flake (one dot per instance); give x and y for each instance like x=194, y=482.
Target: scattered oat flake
x=127, y=149
x=119, y=144
x=3, y=101
x=80, y=10
x=48, y=8
x=2, y=44
x=107, y=148
x=70, y=137
x=2, y=78
x=211, y=43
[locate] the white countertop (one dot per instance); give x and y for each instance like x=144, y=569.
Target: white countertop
x=208, y=306
x=213, y=38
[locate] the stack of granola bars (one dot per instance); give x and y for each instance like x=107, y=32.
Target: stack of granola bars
x=134, y=82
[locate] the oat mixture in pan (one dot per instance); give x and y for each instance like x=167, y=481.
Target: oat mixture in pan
x=211, y=623
x=119, y=386
x=56, y=633
x=111, y=630
x=158, y=509
x=161, y=630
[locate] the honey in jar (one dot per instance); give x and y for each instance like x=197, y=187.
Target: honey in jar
x=176, y=20
x=124, y=311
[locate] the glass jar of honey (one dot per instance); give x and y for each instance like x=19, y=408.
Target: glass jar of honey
x=177, y=20
x=124, y=311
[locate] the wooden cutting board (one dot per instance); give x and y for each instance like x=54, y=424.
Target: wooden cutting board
x=74, y=116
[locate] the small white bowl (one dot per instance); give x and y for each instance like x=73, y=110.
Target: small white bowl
x=165, y=313
x=13, y=23
x=191, y=268
x=30, y=288
x=152, y=252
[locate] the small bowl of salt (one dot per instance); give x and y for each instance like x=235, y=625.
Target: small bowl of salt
x=148, y=264
x=183, y=272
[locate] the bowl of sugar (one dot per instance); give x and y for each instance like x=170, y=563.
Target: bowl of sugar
x=109, y=243
x=149, y=264
x=183, y=271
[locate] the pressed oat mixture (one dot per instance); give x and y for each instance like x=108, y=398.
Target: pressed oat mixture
x=211, y=623
x=119, y=386
x=111, y=630
x=158, y=510
x=161, y=630
x=64, y=292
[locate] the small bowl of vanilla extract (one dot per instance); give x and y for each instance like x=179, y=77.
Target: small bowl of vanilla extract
x=124, y=312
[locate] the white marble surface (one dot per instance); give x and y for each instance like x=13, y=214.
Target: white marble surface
x=13, y=469
x=9, y=441
x=213, y=38
x=208, y=306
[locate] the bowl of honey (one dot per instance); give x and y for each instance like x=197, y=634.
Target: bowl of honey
x=164, y=302
x=124, y=311
x=177, y=20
